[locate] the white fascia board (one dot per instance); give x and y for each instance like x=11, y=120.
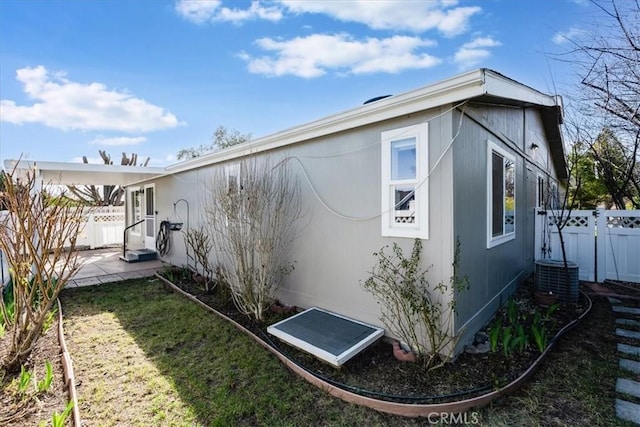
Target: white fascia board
x=68, y=173
x=504, y=87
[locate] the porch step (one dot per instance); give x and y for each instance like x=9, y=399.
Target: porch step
x=139, y=255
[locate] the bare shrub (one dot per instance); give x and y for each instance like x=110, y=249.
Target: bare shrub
x=412, y=309
x=201, y=244
x=33, y=237
x=253, y=217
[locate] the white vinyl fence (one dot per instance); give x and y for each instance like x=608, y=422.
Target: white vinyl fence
x=604, y=243
x=103, y=227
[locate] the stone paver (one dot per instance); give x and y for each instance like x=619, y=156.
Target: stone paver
x=614, y=301
x=628, y=334
x=628, y=322
x=628, y=310
x=630, y=365
x=627, y=386
x=629, y=349
x=628, y=411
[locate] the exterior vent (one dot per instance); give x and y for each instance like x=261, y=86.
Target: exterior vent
x=550, y=276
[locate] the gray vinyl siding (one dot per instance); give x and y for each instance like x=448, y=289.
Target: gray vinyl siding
x=493, y=273
x=333, y=255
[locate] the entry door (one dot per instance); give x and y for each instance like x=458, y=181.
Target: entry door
x=150, y=217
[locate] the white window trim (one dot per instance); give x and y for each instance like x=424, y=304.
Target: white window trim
x=232, y=170
x=505, y=237
x=420, y=228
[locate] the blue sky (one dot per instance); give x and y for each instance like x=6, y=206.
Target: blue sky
x=155, y=76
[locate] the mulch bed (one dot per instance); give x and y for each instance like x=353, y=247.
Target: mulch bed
x=16, y=411
x=377, y=373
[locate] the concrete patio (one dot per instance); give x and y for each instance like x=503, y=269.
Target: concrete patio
x=104, y=266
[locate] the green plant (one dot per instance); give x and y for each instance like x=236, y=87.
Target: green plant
x=521, y=339
x=58, y=420
x=48, y=321
x=413, y=309
x=507, y=340
x=539, y=332
x=494, y=335
x=24, y=380
x=513, y=311
x=169, y=273
x=45, y=384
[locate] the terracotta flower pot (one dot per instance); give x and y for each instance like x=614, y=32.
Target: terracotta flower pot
x=401, y=354
x=546, y=298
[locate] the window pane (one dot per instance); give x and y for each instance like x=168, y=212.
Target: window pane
x=497, y=192
x=403, y=159
x=149, y=201
x=509, y=196
x=405, y=205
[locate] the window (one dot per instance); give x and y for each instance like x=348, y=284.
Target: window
x=232, y=173
x=135, y=210
x=501, y=203
x=541, y=199
x=404, y=182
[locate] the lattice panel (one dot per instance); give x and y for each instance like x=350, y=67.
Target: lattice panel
x=406, y=220
x=109, y=218
x=509, y=220
x=574, y=221
x=623, y=222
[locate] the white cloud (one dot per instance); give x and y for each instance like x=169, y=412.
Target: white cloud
x=118, y=141
x=565, y=37
x=473, y=52
x=198, y=11
x=63, y=104
x=201, y=11
x=317, y=54
x=415, y=16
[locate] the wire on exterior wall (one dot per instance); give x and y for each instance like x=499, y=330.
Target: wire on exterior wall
x=368, y=218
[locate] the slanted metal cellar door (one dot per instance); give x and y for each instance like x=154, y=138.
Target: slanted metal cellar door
x=150, y=217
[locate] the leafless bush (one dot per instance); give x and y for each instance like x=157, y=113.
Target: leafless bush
x=201, y=244
x=253, y=214
x=33, y=237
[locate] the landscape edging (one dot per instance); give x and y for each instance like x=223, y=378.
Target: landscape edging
x=67, y=365
x=402, y=409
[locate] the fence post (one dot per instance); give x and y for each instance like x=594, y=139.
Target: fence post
x=601, y=261
x=91, y=230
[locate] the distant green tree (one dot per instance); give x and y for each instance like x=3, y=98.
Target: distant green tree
x=592, y=192
x=222, y=138
x=617, y=168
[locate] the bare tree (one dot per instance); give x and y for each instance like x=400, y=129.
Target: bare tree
x=607, y=60
x=33, y=237
x=253, y=216
x=108, y=195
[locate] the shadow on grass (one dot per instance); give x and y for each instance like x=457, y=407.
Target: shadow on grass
x=225, y=378
x=222, y=375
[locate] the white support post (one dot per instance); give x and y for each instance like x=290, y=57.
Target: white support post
x=601, y=230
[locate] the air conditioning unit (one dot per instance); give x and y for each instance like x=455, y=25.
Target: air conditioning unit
x=550, y=276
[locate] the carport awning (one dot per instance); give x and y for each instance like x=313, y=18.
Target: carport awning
x=62, y=173
x=328, y=336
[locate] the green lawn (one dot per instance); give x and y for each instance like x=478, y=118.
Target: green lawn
x=146, y=356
